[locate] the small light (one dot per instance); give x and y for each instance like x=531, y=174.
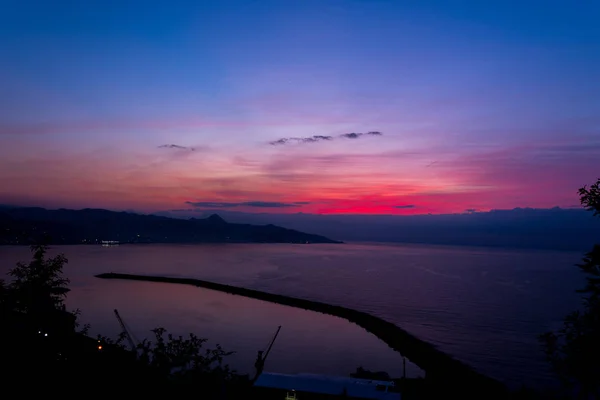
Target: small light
x=99, y=347
x=45, y=334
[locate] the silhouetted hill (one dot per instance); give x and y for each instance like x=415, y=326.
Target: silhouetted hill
x=23, y=225
x=552, y=229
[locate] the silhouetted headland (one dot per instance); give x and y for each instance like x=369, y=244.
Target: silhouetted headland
x=440, y=368
x=93, y=226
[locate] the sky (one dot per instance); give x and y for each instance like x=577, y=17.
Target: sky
x=311, y=106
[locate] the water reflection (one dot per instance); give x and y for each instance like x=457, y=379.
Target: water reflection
x=308, y=342
x=483, y=306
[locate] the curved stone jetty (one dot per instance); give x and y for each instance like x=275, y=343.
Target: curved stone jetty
x=446, y=374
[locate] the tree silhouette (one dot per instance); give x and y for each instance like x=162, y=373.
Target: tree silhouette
x=38, y=336
x=184, y=358
x=574, y=350
x=39, y=286
x=4, y=297
x=37, y=292
x=179, y=363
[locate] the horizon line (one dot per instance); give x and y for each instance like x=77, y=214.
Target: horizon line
x=218, y=211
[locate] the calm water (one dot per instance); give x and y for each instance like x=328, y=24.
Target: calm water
x=483, y=306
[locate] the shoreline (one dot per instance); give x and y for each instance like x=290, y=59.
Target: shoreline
x=169, y=243
x=440, y=368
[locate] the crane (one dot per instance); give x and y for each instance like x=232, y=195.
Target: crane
x=260, y=359
x=271, y=344
x=125, y=331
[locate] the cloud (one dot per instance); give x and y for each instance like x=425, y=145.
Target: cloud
x=319, y=138
x=176, y=146
x=259, y=204
x=351, y=135
x=355, y=135
x=405, y=206
x=310, y=139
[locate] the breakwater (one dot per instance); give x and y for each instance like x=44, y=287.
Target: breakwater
x=444, y=372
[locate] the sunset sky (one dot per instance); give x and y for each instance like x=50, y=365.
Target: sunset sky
x=149, y=106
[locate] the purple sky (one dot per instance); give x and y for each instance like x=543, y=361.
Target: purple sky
x=480, y=105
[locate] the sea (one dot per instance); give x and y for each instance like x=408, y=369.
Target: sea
x=483, y=306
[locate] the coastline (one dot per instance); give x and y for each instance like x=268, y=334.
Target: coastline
x=174, y=243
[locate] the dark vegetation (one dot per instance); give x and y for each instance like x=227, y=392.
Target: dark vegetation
x=91, y=226
x=574, y=350
x=45, y=351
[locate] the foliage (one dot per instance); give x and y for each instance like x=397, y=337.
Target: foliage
x=39, y=286
x=590, y=197
x=3, y=294
x=574, y=350
x=180, y=359
x=6, y=303
x=37, y=292
x=116, y=343
x=184, y=357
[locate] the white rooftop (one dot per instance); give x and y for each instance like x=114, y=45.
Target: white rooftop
x=333, y=385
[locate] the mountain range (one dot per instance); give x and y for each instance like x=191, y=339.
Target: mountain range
x=570, y=229
x=547, y=229
x=25, y=225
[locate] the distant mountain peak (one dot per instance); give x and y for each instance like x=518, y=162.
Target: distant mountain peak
x=92, y=226
x=215, y=218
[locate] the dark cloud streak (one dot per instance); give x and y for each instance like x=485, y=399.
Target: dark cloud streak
x=258, y=204
x=176, y=147
x=310, y=139
x=319, y=138
x=356, y=135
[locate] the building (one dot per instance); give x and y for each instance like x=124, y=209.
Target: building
x=320, y=387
